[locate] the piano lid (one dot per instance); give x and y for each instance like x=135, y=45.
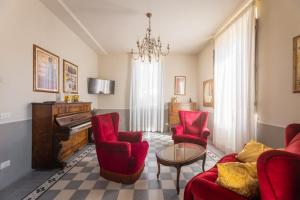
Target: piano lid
x=73, y=119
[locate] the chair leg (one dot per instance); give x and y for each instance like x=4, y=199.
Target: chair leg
x=203, y=162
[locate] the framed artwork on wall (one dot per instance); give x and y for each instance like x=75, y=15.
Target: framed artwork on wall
x=70, y=77
x=208, y=93
x=45, y=70
x=180, y=85
x=296, y=75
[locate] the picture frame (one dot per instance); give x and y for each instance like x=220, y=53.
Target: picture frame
x=70, y=80
x=180, y=85
x=208, y=93
x=296, y=64
x=45, y=70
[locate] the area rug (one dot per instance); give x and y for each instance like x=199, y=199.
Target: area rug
x=80, y=178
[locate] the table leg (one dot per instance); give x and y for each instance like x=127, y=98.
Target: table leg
x=203, y=162
x=158, y=169
x=178, y=176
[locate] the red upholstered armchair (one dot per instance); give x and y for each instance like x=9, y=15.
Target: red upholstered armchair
x=192, y=128
x=279, y=171
x=278, y=174
x=121, y=155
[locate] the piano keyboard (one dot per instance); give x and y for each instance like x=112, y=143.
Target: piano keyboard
x=80, y=127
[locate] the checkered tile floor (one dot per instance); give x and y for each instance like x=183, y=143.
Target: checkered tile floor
x=83, y=180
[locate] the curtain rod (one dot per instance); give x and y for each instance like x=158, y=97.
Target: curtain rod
x=233, y=18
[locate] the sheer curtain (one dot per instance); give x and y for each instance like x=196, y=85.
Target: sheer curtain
x=234, y=119
x=146, y=96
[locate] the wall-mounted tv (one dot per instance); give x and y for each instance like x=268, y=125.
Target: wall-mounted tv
x=101, y=86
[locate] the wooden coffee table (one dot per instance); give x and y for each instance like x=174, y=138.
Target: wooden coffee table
x=179, y=155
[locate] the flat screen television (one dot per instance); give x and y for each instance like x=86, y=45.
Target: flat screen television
x=101, y=86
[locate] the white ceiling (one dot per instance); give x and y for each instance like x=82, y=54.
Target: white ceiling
x=113, y=26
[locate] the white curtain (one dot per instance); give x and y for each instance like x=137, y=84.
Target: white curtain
x=234, y=112
x=146, y=96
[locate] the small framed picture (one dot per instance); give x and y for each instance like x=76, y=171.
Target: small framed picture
x=180, y=85
x=208, y=93
x=70, y=77
x=45, y=70
x=296, y=75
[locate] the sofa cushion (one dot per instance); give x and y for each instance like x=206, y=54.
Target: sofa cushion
x=251, y=151
x=238, y=177
x=203, y=186
x=294, y=145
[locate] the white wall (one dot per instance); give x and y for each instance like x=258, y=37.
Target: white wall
x=180, y=65
x=117, y=67
x=24, y=23
x=278, y=24
x=205, y=70
x=277, y=105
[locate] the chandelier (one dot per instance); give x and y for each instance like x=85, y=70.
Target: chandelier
x=149, y=47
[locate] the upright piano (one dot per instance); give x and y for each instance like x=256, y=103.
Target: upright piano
x=58, y=131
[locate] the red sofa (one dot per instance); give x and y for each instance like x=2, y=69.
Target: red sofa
x=278, y=174
x=121, y=155
x=192, y=128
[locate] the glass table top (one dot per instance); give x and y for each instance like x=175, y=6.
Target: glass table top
x=181, y=152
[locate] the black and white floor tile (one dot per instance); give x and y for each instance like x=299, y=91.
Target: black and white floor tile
x=80, y=179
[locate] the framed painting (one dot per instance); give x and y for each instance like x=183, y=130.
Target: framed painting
x=208, y=93
x=180, y=85
x=296, y=75
x=45, y=70
x=70, y=77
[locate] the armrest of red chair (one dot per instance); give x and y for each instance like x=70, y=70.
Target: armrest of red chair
x=206, y=189
x=279, y=175
x=205, y=133
x=177, y=130
x=290, y=132
x=130, y=136
x=115, y=147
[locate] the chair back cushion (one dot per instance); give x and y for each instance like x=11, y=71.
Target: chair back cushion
x=294, y=145
x=193, y=122
x=290, y=132
x=105, y=127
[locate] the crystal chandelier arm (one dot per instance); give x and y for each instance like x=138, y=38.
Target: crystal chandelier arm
x=164, y=53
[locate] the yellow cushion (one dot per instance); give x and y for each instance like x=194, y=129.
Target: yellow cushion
x=238, y=177
x=251, y=151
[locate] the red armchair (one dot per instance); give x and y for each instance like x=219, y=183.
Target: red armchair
x=278, y=174
x=279, y=171
x=121, y=155
x=192, y=128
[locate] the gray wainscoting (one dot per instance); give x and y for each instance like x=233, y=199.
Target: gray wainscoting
x=210, y=124
x=15, y=142
x=166, y=120
x=124, y=118
x=269, y=135
x=272, y=136
x=15, y=145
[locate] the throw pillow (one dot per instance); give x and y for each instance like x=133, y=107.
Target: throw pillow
x=251, y=151
x=239, y=177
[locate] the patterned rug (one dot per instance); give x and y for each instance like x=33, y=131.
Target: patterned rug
x=80, y=178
